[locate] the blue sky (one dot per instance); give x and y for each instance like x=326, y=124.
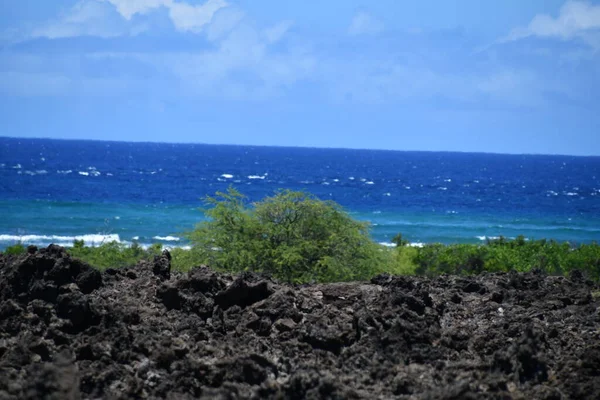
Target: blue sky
x=508, y=76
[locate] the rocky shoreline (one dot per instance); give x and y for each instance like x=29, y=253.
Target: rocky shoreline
x=68, y=331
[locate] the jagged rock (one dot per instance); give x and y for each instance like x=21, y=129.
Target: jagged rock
x=70, y=332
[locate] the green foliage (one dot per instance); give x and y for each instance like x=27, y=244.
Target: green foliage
x=16, y=249
x=505, y=255
x=292, y=235
x=113, y=254
x=399, y=241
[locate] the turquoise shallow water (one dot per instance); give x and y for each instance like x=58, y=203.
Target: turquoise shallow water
x=56, y=191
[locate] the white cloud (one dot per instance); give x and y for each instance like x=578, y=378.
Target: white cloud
x=194, y=18
x=186, y=17
x=110, y=18
x=364, y=23
x=86, y=18
x=276, y=33
x=223, y=22
x=128, y=8
x=576, y=19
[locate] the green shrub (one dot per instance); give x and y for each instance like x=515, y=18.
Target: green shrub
x=16, y=249
x=113, y=254
x=292, y=235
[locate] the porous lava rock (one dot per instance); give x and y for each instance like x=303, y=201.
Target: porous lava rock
x=68, y=331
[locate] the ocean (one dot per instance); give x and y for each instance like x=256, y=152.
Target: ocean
x=55, y=191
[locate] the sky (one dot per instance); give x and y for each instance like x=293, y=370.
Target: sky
x=507, y=76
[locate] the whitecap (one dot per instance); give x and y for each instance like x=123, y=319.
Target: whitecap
x=42, y=159
x=18, y=166
x=442, y=188
x=64, y=172
x=447, y=180
x=109, y=174
x=136, y=238
x=83, y=173
x=369, y=183
x=387, y=194
x=336, y=180
x=407, y=187
x=351, y=178
x=257, y=176
x=482, y=238
x=167, y=238
x=89, y=239
x=325, y=183
x=226, y=176
x=571, y=194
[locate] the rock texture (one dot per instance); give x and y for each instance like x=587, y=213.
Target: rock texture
x=68, y=331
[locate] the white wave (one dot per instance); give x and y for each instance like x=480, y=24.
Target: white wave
x=413, y=244
x=351, y=178
x=136, y=238
x=257, y=176
x=167, y=238
x=226, y=176
x=68, y=171
x=83, y=173
x=483, y=238
x=95, y=173
x=336, y=180
x=571, y=194
x=89, y=239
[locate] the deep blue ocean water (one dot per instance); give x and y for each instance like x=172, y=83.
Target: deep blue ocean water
x=57, y=190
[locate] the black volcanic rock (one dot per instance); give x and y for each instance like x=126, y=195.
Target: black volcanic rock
x=68, y=331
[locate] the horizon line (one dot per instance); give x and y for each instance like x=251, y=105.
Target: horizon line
x=301, y=147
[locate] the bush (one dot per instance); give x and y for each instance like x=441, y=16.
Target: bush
x=292, y=235
x=15, y=250
x=113, y=254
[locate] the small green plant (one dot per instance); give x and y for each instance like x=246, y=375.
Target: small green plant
x=16, y=249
